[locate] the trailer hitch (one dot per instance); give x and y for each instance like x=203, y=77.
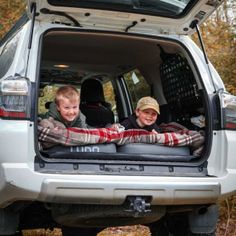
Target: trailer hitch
x=138, y=205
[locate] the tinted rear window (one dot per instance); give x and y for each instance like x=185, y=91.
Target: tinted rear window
x=168, y=8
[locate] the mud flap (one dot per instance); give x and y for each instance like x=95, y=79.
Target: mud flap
x=203, y=220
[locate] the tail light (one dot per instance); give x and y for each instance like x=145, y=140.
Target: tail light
x=228, y=111
x=15, y=98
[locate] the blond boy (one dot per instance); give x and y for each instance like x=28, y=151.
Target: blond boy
x=65, y=108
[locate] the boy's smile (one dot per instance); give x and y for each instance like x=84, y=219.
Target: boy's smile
x=68, y=109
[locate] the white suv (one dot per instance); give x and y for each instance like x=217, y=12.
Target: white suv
x=135, y=48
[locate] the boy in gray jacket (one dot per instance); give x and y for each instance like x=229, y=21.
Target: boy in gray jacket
x=65, y=109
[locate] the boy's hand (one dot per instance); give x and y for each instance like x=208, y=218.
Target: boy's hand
x=46, y=123
x=118, y=127
x=154, y=131
x=57, y=124
x=51, y=124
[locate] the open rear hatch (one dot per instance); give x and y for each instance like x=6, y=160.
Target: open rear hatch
x=137, y=16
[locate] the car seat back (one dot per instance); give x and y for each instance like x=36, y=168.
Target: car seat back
x=93, y=105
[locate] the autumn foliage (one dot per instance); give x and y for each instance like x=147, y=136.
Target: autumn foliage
x=219, y=36
x=10, y=11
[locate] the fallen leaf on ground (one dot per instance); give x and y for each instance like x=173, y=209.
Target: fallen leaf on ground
x=135, y=230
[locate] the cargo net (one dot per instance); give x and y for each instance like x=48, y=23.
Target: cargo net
x=179, y=85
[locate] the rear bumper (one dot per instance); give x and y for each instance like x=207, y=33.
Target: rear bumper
x=19, y=182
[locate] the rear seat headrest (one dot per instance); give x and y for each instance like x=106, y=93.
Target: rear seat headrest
x=92, y=91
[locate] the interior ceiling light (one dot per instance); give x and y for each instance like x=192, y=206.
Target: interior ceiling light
x=61, y=66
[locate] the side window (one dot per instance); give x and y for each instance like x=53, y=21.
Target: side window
x=137, y=86
x=110, y=97
x=47, y=94
x=8, y=53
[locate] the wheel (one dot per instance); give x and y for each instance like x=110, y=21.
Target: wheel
x=18, y=234
x=160, y=228
x=174, y=225
x=68, y=231
x=210, y=234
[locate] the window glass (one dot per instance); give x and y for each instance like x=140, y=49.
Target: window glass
x=46, y=95
x=8, y=53
x=170, y=8
x=137, y=86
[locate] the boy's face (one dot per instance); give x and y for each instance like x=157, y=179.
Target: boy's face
x=69, y=110
x=146, y=117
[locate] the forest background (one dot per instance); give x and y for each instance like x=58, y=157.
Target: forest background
x=219, y=36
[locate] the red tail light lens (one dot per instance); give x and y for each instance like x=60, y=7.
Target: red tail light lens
x=15, y=97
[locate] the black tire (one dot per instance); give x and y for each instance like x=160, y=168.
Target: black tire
x=210, y=234
x=159, y=229
x=18, y=233
x=67, y=231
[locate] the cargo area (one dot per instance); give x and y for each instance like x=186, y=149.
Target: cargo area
x=128, y=67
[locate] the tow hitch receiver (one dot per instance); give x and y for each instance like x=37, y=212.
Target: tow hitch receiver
x=139, y=205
